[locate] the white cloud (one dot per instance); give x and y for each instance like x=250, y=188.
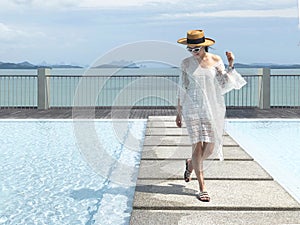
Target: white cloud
x=48, y=4
x=8, y=33
x=73, y=4
x=253, y=4
x=170, y=5
x=285, y=13
x=63, y=28
x=12, y=34
x=299, y=14
x=122, y=3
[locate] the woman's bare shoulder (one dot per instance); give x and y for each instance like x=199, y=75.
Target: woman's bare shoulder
x=215, y=58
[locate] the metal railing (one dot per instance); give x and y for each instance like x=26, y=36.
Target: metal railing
x=285, y=91
x=121, y=90
x=47, y=91
x=247, y=96
x=18, y=91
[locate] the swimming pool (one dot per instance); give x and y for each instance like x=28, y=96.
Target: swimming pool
x=274, y=144
x=46, y=176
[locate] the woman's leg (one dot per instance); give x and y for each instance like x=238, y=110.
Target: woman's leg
x=197, y=162
x=190, y=165
x=208, y=149
x=188, y=168
x=201, y=151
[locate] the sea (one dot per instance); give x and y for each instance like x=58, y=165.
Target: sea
x=134, y=86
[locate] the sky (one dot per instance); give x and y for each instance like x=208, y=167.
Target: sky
x=80, y=31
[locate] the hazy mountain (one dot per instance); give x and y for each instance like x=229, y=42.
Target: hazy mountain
x=27, y=65
x=126, y=64
x=267, y=65
x=119, y=64
x=22, y=65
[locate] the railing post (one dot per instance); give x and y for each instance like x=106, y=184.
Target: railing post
x=43, y=88
x=264, y=88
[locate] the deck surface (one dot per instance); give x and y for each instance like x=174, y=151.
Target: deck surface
x=241, y=191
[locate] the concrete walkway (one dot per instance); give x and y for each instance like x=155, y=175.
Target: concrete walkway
x=241, y=191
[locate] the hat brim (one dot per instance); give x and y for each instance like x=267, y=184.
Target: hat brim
x=207, y=42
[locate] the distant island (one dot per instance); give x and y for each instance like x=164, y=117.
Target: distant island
x=118, y=64
x=27, y=65
x=132, y=65
x=115, y=66
x=267, y=65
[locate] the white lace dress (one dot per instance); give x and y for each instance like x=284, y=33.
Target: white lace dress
x=201, y=93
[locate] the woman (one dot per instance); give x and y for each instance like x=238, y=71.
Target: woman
x=203, y=83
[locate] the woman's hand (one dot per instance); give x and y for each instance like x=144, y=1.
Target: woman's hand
x=230, y=58
x=178, y=120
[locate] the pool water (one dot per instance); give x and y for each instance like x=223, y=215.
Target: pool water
x=46, y=177
x=274, y=144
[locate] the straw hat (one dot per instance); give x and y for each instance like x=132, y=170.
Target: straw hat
x=196, y=38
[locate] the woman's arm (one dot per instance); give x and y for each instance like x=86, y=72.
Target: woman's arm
x=179, y=90
x=178, y=117
x=230, y=58
x=182, y=86
x=228, y=79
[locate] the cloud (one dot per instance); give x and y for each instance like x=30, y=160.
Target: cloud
x=123, y=3
x=12, y=34
x=37, y=4
x=254, y=4
x=299, y=14
x=53, y=4
x=283, y=13
x=9, y=34
x=154, y=5
x=77, y=4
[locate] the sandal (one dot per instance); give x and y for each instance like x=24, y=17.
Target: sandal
x=204, y=196
x=187, y=174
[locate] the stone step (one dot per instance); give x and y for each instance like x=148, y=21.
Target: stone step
x=159, y=127
x=184, y=152
x=179, y=140
x=225, y=195
x=158, y=131
x=164, y=131
x=163, y=124
x=219, y=170
x=202, y=217
x=161, y=118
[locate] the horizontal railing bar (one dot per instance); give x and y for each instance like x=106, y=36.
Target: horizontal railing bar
x=117, y=76
x=18, y=75
x=248, y=75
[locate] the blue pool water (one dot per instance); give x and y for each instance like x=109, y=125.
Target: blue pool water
x=275, y=145
x=46, y=176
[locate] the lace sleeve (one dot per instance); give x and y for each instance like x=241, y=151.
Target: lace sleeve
x=183, y=83
x=228, y=79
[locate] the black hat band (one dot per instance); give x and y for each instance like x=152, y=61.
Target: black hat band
x=195, y=41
